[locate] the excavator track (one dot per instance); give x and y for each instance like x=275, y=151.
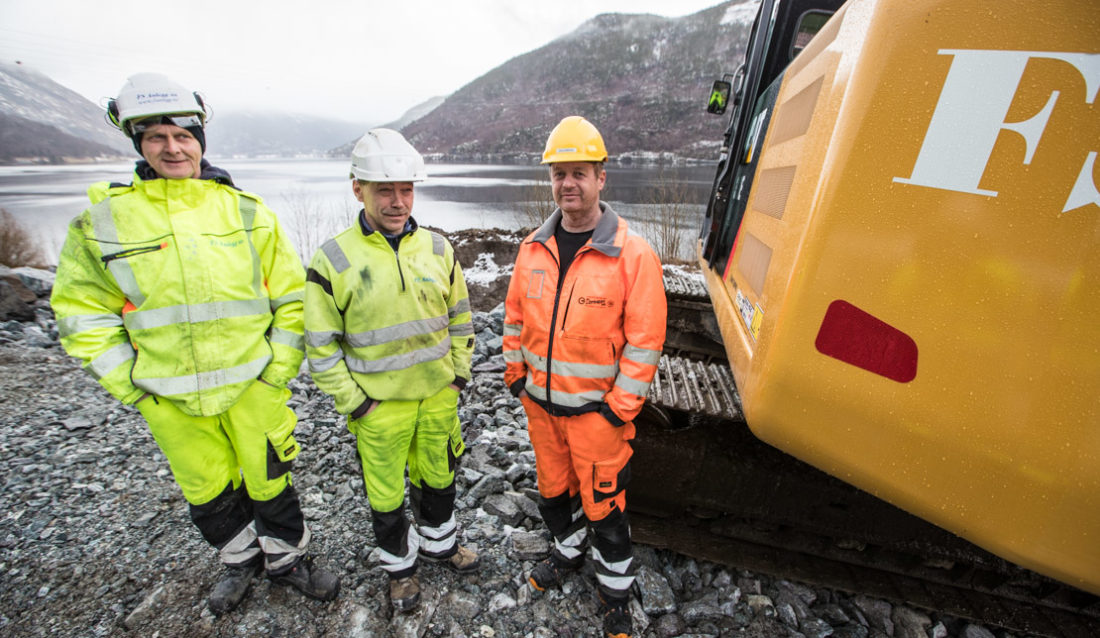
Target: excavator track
x=705, y=486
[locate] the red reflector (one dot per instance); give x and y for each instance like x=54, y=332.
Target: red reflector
x=853, y=336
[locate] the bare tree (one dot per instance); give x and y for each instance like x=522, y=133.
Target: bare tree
x=666, y=219
x=17, y=246
x=310, y=223
x=536, y=202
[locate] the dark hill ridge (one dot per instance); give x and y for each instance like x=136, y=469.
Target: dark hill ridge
x=642, y=79
x=41, y=120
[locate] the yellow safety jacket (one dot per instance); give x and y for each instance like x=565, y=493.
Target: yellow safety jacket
x=384, y=324
x=182, y=288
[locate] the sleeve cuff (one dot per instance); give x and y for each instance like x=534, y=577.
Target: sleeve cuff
x=612, y=418
x=517, y=387
x=358, y=412
x=460, y=382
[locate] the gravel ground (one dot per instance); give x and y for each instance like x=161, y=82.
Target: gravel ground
x=95, y=539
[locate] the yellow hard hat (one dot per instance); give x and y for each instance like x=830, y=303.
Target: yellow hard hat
x=574, y=139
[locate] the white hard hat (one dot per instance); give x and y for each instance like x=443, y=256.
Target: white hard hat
x=383, y=155
x=148, y=94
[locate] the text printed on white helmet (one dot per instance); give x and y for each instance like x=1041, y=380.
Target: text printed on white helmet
x=153, y=98
x=971, y=112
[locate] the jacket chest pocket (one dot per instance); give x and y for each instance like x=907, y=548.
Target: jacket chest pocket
x=139, y=267
x=594, y=308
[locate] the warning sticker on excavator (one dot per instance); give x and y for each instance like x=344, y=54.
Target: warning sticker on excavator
x=753, y=316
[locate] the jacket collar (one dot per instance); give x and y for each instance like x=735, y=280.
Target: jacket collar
x=207, y=170
x=603, y=235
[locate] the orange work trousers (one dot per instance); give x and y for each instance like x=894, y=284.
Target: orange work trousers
x=581, y=454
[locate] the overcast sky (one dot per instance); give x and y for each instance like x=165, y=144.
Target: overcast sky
x=363, y=61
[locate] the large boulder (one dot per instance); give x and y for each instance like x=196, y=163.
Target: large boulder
x=13, y=306
x=38, y=281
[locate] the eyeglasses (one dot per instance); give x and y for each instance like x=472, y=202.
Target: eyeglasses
x=180, y=120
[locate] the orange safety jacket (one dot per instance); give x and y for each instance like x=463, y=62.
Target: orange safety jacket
x=591, y=341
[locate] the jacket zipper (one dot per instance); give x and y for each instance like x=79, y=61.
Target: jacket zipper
x=553, y=326
x=568, y=304
x=400, y=272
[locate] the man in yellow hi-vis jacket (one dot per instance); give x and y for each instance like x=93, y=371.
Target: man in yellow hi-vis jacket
x=389, y=336
x=183, y=297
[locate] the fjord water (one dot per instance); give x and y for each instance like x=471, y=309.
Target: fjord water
x=313, y=197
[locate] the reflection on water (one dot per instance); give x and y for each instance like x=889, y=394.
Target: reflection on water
x=313, y=196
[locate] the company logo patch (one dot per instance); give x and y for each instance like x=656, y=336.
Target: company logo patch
x=599, y=302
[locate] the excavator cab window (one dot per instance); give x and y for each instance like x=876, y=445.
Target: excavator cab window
x=719, y=97
x=781, y=30
x=809, y=24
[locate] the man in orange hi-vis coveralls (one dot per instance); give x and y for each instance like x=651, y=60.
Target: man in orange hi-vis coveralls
x=583, y=332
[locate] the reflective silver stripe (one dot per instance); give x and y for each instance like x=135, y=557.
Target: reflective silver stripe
x=573, y=545
x=512, y=329
x=613, y=575
x=461, y=329
x=242, y=547
x=399, y=361
x=641, y=355
x=335, y=255
x=584, y=370
x=439, y=245
x=282, y=552
x=398, y=332
x=320, y=364
x=317, y=339
x=535, y=391
x=248, y=218
x=533, y=360
x=102, y=365
x=438, y=540
x=103, y=223
x=513, y=356
x=288, y=338
x=172, y=386
x=279, y=302
x=632, y=385
x=564, y=398
x=75, y=324
x=196, y=313
x=567, y=369
x=459, y=308
x=393, y=563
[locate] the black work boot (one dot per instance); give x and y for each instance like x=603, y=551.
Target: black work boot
x=311, y=580
x=232, y=586
x=616, y=617
x=552, y=571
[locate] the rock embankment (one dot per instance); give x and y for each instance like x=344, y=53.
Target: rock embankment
x=95, y=539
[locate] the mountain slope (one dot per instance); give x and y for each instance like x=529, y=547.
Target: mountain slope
x=642, y=79
x=81, y=131
x=24, y=140
x=280, y=134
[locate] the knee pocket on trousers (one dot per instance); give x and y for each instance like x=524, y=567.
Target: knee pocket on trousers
x=282, y=449
x=610, y=476
x=455, y=447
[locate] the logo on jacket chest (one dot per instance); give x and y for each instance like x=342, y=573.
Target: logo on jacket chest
x=596, y=302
